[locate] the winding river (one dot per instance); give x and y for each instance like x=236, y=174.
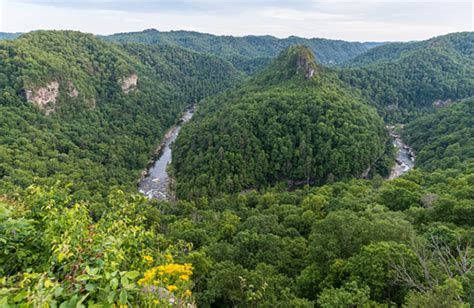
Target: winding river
x=154, y=182
x=405, y=160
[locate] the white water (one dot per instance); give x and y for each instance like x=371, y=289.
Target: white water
x=405, y=160
x=155, y=184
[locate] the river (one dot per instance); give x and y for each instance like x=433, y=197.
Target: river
x=405, y=160
x=154, y=182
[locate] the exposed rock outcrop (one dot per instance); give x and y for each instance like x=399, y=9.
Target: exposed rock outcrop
x=45, y=98
x=72, y=91
x=442, y=103
x=306, y=65
x=129, y=83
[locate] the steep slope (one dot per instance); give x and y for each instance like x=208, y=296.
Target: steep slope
x=403, y=79
x=248, y=53
x=80, y=110
x=444, y=139
x=292, y=122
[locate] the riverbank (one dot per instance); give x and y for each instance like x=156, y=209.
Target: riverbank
x=405, y=160
x=154, y=180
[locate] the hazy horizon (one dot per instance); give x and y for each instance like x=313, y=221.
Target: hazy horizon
x=363, y=20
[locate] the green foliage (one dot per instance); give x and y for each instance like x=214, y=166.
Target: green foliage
x=445, y=138
x=248, y=53
x=65, y=257
x=314, y=242
x=446, y=295
x=350, y=295
x=283, y=125
x=74, y=240
x=103, y=137
x=405, y=79
x=373, y=267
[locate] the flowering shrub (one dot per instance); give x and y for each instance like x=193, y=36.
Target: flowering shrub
x=168, y=283
x=68, y=259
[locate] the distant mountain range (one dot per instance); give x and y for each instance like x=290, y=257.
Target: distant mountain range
x=8, y=36
x=249, y=53
x=404, y=78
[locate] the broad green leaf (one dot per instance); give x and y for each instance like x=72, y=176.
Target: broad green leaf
x=114, y=283
x=123, y=297
x=132, y=274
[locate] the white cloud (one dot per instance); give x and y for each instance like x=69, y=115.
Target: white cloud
x=297, y=15
x=362, y=20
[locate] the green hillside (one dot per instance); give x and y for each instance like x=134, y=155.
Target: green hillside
x=444, y=139
x=273, y=209
x=405, y=79
x=293, y=122
x=248, y=53
x=71, y=102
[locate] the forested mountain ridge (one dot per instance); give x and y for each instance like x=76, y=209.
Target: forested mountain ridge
x=444, y=139
x=405, y=79
x=248, y=53
x=80, y=119
x=8, y=36
x=294, y=121
x=71, y=102
x=75, y=233
x=460, y=43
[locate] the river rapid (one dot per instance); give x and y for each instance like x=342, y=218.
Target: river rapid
x=405, y=159
x=154, y=182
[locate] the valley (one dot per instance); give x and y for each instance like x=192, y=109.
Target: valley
x=405, y=157
x=371, y=225
x=155, y=180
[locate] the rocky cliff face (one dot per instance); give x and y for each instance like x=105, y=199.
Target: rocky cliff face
x=306, y=65
x=45, y=98
x=129, y=83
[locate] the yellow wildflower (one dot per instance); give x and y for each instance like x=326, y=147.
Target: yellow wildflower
x=148, y=259
x=48, y=283
x=172, y=288
x=184, y=277
x=188, y=293
x=175, y=269
x=148, y=276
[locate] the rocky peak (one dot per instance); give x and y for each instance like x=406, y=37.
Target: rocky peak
x=306, y=65
x=296, y=60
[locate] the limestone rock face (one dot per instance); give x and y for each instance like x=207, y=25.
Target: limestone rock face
x=442, y=103
x=44, y=98
x=129, y=83
x=306, y=65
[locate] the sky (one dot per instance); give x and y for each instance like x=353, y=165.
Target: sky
x=356, y=20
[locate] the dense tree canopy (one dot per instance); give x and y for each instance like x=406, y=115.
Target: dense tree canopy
x=286, y=124
x=405, y=79
x=101, y=136
x=248, y=53
x=444, y=139
x=74, y=233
